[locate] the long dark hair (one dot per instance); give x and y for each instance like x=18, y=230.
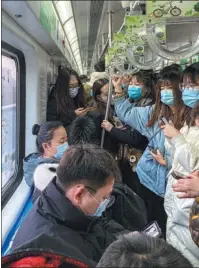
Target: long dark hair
x=148, y=78
x=97, y=87
x=190, y=73
x=45, y=132
x=63, y=99
x=172, y=76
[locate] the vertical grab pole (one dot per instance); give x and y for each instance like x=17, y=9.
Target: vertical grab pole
x=110, y=32
x=107, y=107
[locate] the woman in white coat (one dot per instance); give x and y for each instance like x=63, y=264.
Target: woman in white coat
x=183, y=145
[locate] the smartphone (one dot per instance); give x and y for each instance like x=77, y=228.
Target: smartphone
x=164, y=120
x=154, y=151
x=177, y=175
x=152, y=229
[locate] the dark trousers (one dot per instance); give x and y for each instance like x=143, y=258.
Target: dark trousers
x=154, y=203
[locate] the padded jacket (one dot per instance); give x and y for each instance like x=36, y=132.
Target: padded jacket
x=54, y=215
x=185, y=151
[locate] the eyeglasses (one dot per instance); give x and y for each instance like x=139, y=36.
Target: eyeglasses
x=190, y=87
x=110, y=199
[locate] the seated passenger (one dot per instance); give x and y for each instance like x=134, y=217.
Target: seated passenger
x=66, y=100
x=140, y=250
x=71, y=206
x=51, y=142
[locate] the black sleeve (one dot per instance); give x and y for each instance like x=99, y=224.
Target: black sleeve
x=52, y=114
x=130, y=137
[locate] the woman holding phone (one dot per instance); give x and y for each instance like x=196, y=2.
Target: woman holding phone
x=66, y=100
x=183, y=145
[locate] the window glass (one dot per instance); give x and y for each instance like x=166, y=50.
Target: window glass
x=8, y=117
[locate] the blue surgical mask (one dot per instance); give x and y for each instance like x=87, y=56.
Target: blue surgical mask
x=190, y=97
x=73, y=92
x=167, y=97
x=135, y=92
x=102, y=206
x=61, y=149
x=123, y=86
x=91, y=93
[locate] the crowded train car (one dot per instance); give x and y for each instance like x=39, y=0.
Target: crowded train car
x=100, y=134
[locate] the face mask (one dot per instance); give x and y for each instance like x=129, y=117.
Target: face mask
x=190, y=97
x=167, y=97
x=73, y=92
x=102, y=206
x=61, y=149
x=135, y=92
x=104, y=99
x=123, y=86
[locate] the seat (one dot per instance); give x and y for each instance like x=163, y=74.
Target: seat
x=9, y=240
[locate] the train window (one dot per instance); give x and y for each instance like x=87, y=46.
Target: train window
x=12, y=119
x=9, y=134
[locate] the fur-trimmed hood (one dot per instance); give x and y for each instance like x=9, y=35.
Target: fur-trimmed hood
x=44, y=174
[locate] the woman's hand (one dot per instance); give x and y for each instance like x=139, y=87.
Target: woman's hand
x=189, y=187
x=159, y=158
x=80, y=112
x=170, y=131
x=107, y=125
x=117, y=83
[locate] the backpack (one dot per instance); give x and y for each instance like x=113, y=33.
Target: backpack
x=128, y=209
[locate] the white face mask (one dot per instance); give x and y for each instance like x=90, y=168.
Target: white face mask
x=73, y=92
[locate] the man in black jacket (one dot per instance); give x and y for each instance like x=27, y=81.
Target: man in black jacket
x=70, y=208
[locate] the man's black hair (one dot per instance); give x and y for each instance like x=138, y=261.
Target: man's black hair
x=100, y=66
x=86, y=163
x=140, y=250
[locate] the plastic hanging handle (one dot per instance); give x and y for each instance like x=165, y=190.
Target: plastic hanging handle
x=165, y=53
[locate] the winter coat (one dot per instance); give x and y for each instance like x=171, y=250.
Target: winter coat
x=98, y=115
x=43, y=175
x=194, y=221
x=150, y=173
x=130, y=137
x=66, y=119
x=30, y=163
x=46, y=251
x=185, y=151
x=54, y=215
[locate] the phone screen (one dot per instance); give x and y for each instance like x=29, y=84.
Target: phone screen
x=152, y=229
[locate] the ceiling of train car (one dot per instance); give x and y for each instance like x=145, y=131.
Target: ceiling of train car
x=91, y=22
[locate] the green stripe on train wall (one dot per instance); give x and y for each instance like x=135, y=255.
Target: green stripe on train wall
x=50, y=21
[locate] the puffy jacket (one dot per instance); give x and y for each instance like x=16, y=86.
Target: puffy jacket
x=150, y=173
x=46, y=251
x=30, y=163
x=185, y=151
x=43, y=175
x=194, y=221
x=130, y=137
x=54, y=215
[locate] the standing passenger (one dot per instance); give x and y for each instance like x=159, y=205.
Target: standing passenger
x=66, y=100
x=146, y=120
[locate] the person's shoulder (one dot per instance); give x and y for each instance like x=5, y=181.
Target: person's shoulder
x=44, y=174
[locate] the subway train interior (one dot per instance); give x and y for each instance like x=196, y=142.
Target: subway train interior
x=129, y=67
